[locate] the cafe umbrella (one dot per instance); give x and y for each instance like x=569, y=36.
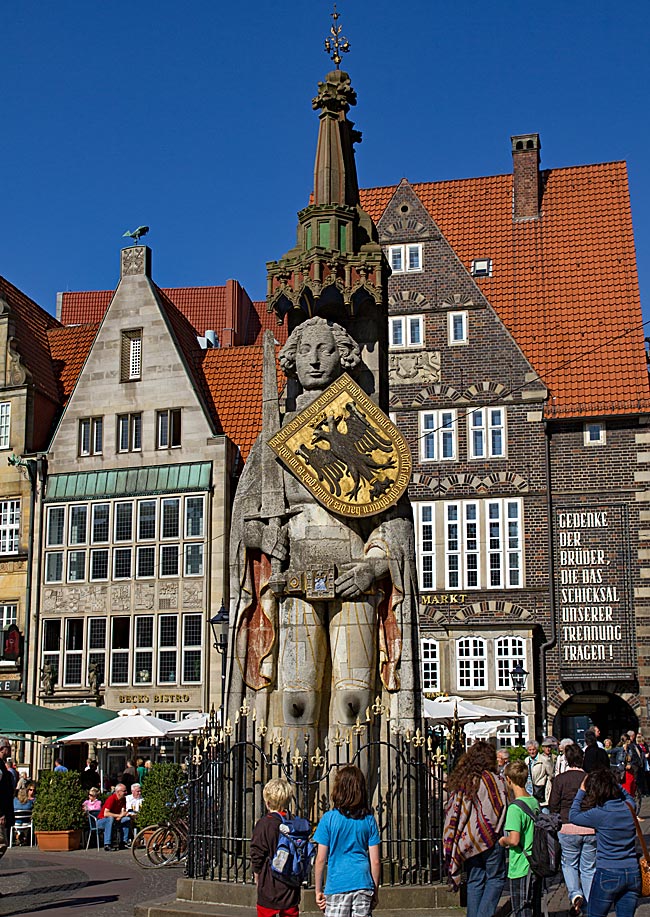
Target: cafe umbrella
x=133, y=724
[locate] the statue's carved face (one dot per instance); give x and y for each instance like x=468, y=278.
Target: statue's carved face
x=318, y=362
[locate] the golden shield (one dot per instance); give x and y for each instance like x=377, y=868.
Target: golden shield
x=346, y=452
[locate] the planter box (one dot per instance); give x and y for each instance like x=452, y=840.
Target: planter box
x=58, y=840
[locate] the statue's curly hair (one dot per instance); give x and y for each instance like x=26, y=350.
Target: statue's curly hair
x=348, y=348
x=479, y=757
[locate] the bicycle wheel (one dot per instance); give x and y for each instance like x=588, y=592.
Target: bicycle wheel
x=139, y=846
x=164, y=846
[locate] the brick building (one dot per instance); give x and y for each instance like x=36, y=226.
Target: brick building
x=518, y=373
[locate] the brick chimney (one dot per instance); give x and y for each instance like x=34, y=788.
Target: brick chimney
x=525, y=176
x=232, y=316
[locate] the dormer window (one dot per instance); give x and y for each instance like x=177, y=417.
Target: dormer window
x=482, y=267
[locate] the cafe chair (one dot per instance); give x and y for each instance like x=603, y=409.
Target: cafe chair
x=24, y=824
x=94, y=831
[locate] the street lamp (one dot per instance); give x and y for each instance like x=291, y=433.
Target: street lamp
x=518, y=676
x=219, y=627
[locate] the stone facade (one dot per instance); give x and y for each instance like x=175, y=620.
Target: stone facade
x=134, y=516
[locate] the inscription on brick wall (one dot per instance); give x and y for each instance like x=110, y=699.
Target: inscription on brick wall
x=593, y=594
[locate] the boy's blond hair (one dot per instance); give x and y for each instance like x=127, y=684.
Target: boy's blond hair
x=517, y=771
x=277, y=794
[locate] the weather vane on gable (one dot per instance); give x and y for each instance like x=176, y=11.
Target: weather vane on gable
x=337, y=44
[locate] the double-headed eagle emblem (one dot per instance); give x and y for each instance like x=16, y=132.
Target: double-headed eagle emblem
x=346, y=452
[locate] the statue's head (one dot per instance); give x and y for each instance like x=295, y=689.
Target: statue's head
x=317, y=352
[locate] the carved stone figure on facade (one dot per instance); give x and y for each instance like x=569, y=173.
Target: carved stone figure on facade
x=94, y=679
x=47, y=679
x=323, y=613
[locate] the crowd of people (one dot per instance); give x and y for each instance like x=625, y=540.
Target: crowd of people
x=592, y=795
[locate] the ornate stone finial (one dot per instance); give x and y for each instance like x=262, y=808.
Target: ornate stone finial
x=135, y=260
x=337, y=44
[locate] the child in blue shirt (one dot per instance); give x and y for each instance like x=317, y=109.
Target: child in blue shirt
x=348, y=842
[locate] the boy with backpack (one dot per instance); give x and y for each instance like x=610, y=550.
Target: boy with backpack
x=519, y=828
x=348, y=842
x=280, y=853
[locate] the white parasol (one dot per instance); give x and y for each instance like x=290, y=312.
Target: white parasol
x=443, y=710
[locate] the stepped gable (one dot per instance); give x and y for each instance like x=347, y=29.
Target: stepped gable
x=30, y=325
x=69, y=348
x=193, y=354
x=565, y=285
x=234, y=375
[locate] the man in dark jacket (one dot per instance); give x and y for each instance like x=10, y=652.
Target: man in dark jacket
x=6, y=796
x=595, y=757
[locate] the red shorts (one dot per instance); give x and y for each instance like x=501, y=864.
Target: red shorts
x=272, y=911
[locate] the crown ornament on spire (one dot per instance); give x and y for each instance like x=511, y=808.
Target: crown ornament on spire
x=337, y=44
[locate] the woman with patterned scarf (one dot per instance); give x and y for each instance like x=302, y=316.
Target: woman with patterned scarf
x=474, y=817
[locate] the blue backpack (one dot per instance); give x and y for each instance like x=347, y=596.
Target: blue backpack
x=294, y=853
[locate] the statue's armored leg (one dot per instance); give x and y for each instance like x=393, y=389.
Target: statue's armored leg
x=353, y=637
x=301, y=663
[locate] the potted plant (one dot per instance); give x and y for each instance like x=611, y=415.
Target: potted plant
x=158, y=790
x=58, y=815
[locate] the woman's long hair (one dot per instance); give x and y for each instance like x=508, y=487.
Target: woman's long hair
x=479, y=757
x=601, y=786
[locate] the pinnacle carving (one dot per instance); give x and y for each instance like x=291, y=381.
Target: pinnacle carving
x=335, y=94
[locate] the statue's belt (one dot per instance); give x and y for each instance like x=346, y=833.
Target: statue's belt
x=316, y=583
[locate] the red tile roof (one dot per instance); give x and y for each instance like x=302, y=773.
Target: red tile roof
x=30, y=327
x=564, y=285
x=69, y=348
x=234, y=375
x=268, y=320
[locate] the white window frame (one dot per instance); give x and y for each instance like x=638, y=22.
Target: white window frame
x=52, y=656
x=506, y=556
x=145, y=547
x=508, y=734
x=187, y=547
x=118, y=503
x=48, y=539
x=483, y=544
x=92, y=429
x=404, y=253
x=150, y=649
x=128, y=424
x=403, y=322
x=69, y=577
x=191, y=647
x=186, y=517
x=99, y=579
x=165, y=442
x=115, y=552
x=95, y=507
x=481, y=267
x=164, y=547
x=135, y=357
x=58, y=579
x=426, y=545
x=471, y=664
x=437, y=430
x=70, y=654
x=167, y=649
x=10, y=526
x=122, y=652
x=5, y=424
x=96, y=651
x=430, y=664
x=483, y=423
x=451, y=328
x=71, y=508
x=595, y=425
x=509, y=649
x=8, y=614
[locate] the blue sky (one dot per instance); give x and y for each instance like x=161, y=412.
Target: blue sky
x=195, y=118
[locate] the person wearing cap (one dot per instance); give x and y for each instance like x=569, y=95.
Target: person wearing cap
x=561, y=762
x=93, y=804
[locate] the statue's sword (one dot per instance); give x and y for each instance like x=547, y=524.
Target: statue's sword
x=274, y=504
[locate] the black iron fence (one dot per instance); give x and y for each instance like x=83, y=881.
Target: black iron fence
x=229, y=767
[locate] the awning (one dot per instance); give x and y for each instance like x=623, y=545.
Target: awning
x=19, y=718
x=88, y=714
x=129, y=482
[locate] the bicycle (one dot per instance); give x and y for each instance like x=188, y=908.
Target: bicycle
x=165, y=843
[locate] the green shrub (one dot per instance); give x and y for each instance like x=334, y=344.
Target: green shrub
x=518, y=753
x=158, y=789
x=58, y=802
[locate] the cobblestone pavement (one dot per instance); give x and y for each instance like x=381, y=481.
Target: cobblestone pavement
x=62, y=884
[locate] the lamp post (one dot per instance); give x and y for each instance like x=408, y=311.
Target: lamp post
x=219, y=627
x=518, y=675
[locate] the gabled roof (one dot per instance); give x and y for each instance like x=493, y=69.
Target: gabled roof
x=234, y=375
x=564, y=285
x=31, y=325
